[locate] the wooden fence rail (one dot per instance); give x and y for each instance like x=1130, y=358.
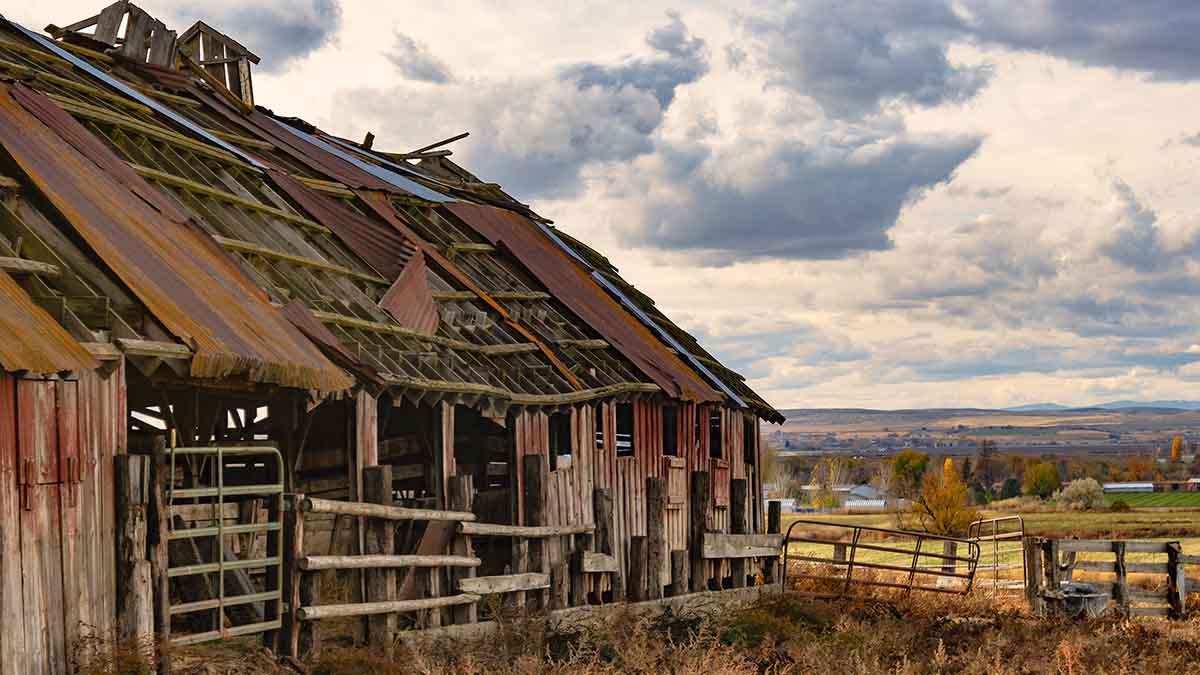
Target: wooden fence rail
x=1050, y=563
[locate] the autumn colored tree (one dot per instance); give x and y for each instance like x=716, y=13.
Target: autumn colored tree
x=1176, y=450
x=943, y=506
x=986, y=466
x=948, y=468
x=1041, y=479
x=908, y=469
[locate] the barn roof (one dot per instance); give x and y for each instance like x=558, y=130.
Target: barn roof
x=381, y=264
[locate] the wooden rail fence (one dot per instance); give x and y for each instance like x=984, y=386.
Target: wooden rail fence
x=1050, y=563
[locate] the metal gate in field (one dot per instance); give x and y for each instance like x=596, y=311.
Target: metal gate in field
x=225, y=541
x=1002, y=551
x=835, y=560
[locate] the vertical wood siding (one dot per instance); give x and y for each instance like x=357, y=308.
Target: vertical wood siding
x=56, y=550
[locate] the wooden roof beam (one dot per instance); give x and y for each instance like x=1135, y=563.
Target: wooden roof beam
x=24, y=266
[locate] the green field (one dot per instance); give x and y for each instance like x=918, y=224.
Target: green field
x=1157, y=499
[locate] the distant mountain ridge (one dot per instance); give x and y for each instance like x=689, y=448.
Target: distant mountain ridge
x=1112, y=405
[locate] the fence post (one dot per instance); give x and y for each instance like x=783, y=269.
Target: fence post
x=738, y=524
x=308, y=646
x=1122, y=585
x=950, y=550
x=636, y=584
x=462, y=496
x=1176, y=580
x=379, y=539
x=602, y=503
x=537, y=470
x=293, y=551
x=158, y=538
x=1032, y=552
x=774, y=526
x=701, y=503
x=135, y=597
x=656, y=536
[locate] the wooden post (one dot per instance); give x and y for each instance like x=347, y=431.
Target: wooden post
x=578, y=582
x=1122, y=584
x=462, y=497
x=308, y=648
x=949, y=549
x=1050, y=564
x=738, y=524
x=636, y=583
x=293, y=551
x=679, y=572
x=656, y=536
x=157, y=536
x=1176, y=580
x=774, y=526
x=701, y=504
x=1033, y=573
x=560, y=585
x=536, y=470
x=272, y=581
x=602, y=511
x=135, y=606
x=380, y=538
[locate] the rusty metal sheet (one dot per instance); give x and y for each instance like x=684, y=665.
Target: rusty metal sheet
x=571, y=285
x=30, y=339
x=180, y=274
x=383, y=248
x=410, y=301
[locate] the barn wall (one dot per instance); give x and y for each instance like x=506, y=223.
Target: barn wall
x=57, y=575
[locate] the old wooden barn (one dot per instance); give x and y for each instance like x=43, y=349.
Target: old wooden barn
x=254, y=375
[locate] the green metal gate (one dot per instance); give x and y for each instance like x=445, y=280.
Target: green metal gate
x=211, y=477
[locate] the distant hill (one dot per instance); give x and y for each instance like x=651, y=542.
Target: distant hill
x=1038, y=407
x=1111, y=405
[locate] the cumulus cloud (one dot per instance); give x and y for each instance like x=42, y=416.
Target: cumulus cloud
x=852, y=56
x=814, y=201
x=415, y=62
x=1157, y=37
x=534, y=134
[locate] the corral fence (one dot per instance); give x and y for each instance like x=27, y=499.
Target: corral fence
x=1001, y=545
x=1139, y=578
x=833, y=560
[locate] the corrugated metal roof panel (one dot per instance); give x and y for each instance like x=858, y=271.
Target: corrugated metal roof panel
x=30, y=339
x=410, y=301
x=182, y=276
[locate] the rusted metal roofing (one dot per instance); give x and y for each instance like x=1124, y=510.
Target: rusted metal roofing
x=410, y=301
x=182, y=276
x=571, y=284
x=30, y=339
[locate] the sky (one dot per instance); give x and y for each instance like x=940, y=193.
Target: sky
x=853, y=203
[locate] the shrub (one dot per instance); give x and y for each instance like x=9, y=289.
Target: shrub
x=1120, y=506
x=1041, y=479
x=1084, y=494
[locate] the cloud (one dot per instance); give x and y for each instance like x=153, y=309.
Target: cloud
x=853, y=56
x=1156, y=37
x=534, y=134
x=415, y=62
x=1135, y=239
x=811, y=200
x=678, y=59
x=277, y=30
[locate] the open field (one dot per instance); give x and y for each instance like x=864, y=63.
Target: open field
x=1157, y=499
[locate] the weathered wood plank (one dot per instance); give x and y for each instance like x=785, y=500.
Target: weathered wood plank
x=493, y=530
x=717, y=546
x=505, y=583
x=656, y=537
x=594, y=563
x=1106, y=546
x=316, y=505
x=308, y=613
x=380, y=541
x=381, y=561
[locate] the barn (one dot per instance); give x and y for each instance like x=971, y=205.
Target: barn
x=255, y=376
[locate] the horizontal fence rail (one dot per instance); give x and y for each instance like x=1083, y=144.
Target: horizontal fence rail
x=1001, y=541
x=900, y=556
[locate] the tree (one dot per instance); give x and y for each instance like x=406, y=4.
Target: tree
x=908, y=468
x=1041, y=479
x=1176, y=450
x=965, y=473
x=1012, y=488
x=948, y=468
x=829, y=472
x=1081, y=495
x=942, y=507
x=985, y=463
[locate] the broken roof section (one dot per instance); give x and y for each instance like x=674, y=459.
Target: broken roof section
x=304, y=230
